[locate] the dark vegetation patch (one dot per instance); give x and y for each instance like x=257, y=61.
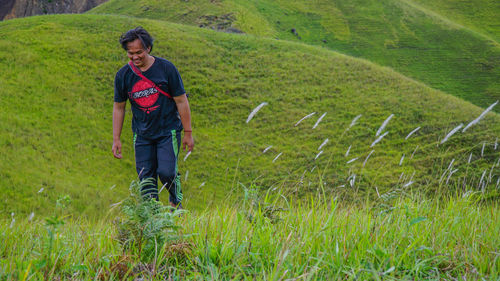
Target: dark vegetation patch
x=219, y=23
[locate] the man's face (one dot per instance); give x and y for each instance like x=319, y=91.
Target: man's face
x=136, y=53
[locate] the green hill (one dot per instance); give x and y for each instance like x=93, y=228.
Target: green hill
x=57, y=88
x=404, y=35
x=478, y=15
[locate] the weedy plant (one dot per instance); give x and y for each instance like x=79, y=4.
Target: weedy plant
x=256, y=205
x=48, y=263
x=146, y=225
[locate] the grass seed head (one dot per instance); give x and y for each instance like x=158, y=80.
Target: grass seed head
x=352, y=160
x=475, y=121
x=278, y=156
x=412, y=132
x=451, y=133
x=382, y=127
x=367, y=157
x=353, y=122
x=323, y=143
x=348, y=150
x=317, y=155
x=379, y=139
x=267, y=148
x=255, y=110
x=187, y=155
x=304, y=118
x=319, y=120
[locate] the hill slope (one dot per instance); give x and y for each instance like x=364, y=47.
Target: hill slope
x=56, y=105
x=414, y=41
x=478, y=15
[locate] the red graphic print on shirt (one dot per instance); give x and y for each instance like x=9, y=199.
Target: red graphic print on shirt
x=145, y=96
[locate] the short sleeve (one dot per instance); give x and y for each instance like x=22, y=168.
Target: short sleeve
x=175, y=85
x=120, y=93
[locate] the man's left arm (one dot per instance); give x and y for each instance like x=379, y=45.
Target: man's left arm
x=185, y=114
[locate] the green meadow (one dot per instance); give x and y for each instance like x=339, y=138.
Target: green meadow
x=451, y=46
x=361, y=157
x=56, y=123
x=479, y=16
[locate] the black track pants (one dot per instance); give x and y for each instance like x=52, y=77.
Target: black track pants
x=157, y=157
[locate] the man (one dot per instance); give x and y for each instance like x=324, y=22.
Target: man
x=160, y=111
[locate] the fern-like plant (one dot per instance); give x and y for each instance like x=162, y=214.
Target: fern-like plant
x=145, y=225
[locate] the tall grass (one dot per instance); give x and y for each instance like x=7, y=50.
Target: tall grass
x=400, y=236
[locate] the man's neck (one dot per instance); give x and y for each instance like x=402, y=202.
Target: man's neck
x=149, y=62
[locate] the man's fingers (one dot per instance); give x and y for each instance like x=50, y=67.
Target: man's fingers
x=117, y=151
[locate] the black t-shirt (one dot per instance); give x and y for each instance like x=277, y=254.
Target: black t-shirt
x=154, y=114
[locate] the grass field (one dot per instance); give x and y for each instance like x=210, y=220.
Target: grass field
x=56, y=118
x=399, y=236
x=480, y=15
x=309, y=164
x=451, y=46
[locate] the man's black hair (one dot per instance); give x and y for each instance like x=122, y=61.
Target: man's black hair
x=137, y=33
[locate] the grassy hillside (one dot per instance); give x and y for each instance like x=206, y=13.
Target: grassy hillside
x=56, y=102
x=478, y=15
x=415, y=41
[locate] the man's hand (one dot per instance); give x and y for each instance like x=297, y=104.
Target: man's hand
x=118, y=116
x=185, y=114
x=187, y=141
x=117, y=149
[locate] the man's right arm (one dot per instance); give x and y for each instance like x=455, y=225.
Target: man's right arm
x=118, y=117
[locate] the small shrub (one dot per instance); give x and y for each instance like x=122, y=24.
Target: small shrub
x=146, y=225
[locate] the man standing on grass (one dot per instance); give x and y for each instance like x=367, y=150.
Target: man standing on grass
x=160, y=112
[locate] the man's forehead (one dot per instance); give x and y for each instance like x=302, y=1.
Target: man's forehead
x=135, y=46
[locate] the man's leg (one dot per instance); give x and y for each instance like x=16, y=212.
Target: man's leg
x=167, y=154
x=146, y=165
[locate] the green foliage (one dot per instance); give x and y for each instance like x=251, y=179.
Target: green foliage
x=451, y=46
x=48, y=261
x=315, y=239
x=478, y=15
x=146, y=225
x=256, y=205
